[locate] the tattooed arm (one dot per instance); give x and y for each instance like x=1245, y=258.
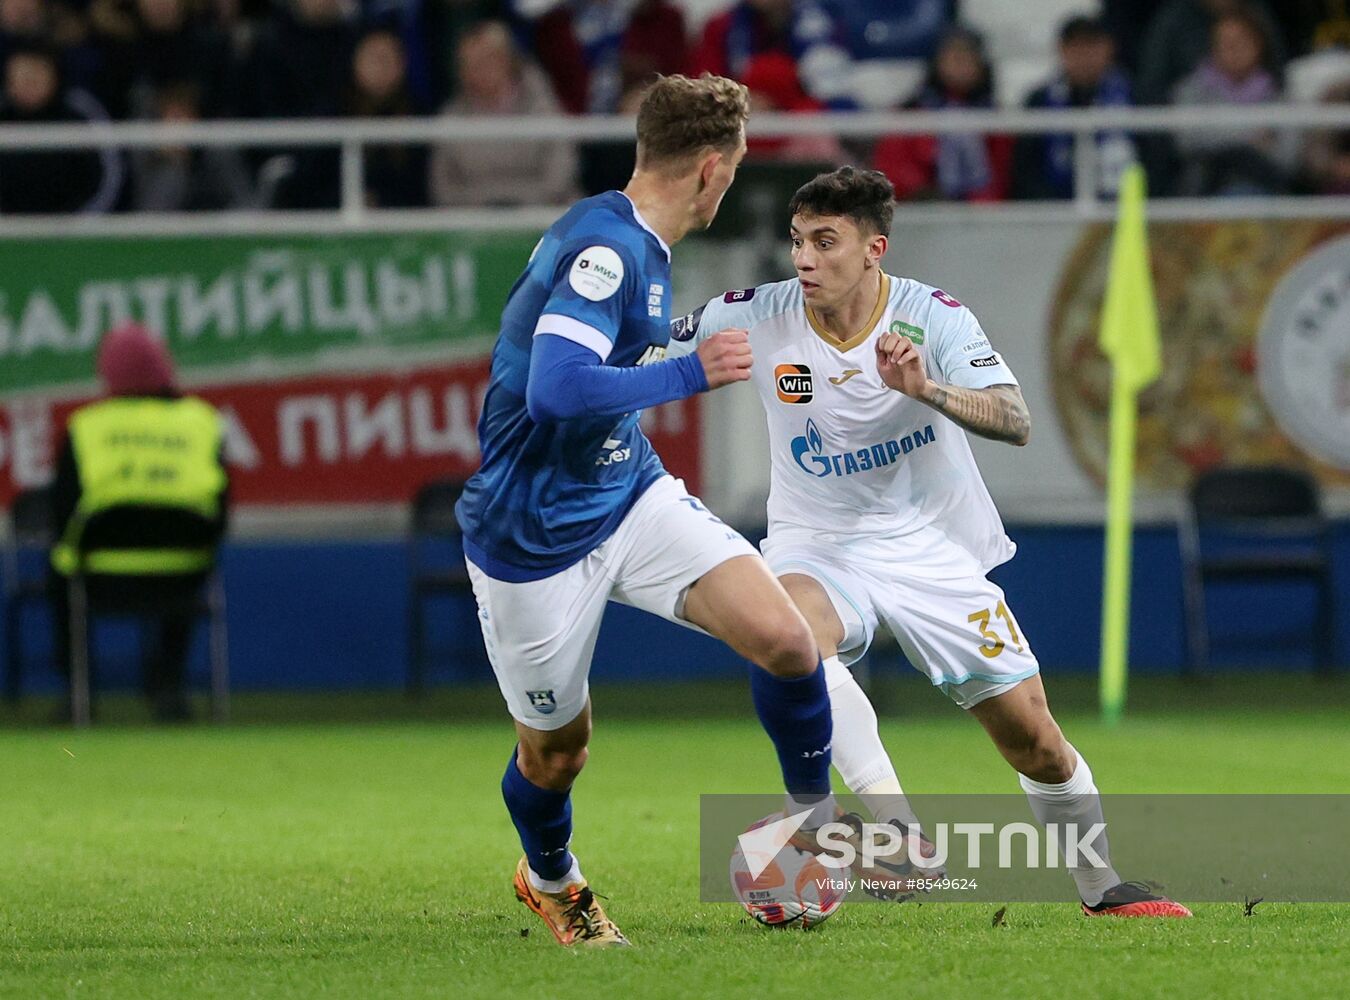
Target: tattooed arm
x=998, y=412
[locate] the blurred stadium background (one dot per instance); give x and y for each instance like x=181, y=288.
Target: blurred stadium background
x=322, y=205
x=333, y=284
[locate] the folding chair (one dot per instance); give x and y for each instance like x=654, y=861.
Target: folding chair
x=29, y=539
x=432, y=526
x=207, y=601
x=1250, y=524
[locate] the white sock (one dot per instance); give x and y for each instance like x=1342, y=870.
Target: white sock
x=556, y=886
x=857, y=751
x=1075, y=801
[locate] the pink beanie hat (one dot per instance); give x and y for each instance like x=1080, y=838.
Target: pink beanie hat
x=132, y=361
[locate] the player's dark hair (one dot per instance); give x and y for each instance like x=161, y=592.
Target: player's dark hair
x=865, y=196
x=680, y=119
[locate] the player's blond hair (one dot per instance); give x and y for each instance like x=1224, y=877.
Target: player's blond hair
x=682, y=119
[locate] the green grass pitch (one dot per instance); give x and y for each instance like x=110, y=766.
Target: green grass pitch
x=365, y=853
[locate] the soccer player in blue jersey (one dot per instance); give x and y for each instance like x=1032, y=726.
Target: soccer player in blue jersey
x=571, y=507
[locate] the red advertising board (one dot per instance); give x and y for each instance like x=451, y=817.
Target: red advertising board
x=337, y=438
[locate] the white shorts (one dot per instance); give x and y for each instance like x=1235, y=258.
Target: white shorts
x=540, y=635
x=955, y=628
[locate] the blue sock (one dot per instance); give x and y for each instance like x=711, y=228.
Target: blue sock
x=543, y=819
x=795, y=712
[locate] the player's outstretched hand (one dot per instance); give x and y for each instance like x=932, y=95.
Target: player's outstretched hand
x=900, y=365
x=726, y=357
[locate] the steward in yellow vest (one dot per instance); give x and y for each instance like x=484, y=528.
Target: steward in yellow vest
x=140, y=503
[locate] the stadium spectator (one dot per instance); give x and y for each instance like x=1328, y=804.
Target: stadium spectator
x=299, y=68
x=301, y=61
x=495, y=78
x=1233, y=161
x=1128, y=20
x=1313, y=25
x=1177, y=41
x=1043, y=165
x=52, y=181
x=149, y=43
x=895, y=29
x=606, y=165
x=23, y=21
x=62, y=25
x=143, y=423
x=954, y=166
x=182, y=179
x=596, y=51
x=600, y=55
x=553, y=44
x=1326, y=155
x=430, y=31
x=802, y=29
x=771, y=79
x=655, y=41
x=396, y=175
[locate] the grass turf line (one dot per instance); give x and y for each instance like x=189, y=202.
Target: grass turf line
x=374, y=859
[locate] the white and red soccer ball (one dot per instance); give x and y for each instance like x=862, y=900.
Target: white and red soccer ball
x=793, y=888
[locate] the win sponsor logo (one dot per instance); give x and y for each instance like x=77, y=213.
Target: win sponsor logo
x=989, y=362
x=793, y=383
x=810, y=448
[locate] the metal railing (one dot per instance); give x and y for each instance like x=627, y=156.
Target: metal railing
x=352, y=136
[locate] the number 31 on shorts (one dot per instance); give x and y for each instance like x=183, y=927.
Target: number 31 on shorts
x=993, y=643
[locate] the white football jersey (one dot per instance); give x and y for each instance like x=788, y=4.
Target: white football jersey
x=855, y=463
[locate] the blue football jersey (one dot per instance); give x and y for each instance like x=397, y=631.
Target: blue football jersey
x=547, y=494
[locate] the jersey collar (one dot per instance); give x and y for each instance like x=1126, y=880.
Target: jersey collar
x=643, y=223
x=844, y=346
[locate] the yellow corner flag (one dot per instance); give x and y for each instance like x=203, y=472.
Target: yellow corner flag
x=1129, y=338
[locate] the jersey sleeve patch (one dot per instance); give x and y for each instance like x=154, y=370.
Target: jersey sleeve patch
x=596, y=274
x=738, y=295
x=686, y=327
x=945, y=299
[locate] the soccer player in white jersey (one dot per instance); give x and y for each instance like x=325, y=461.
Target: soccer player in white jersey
x=877, y=511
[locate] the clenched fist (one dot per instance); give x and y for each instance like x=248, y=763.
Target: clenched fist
x=726, y=357
x=901, y=366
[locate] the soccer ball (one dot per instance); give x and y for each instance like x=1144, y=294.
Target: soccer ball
x=793, y=888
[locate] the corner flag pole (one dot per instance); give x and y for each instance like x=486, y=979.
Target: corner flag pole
x=1119, y=541
x=1129, y=338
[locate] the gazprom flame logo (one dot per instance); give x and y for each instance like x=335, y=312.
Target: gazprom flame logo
x=811, y=442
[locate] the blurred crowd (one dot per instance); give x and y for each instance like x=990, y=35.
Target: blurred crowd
x=186, y=60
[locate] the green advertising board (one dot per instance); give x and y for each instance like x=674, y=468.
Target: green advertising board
x=236, y=301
